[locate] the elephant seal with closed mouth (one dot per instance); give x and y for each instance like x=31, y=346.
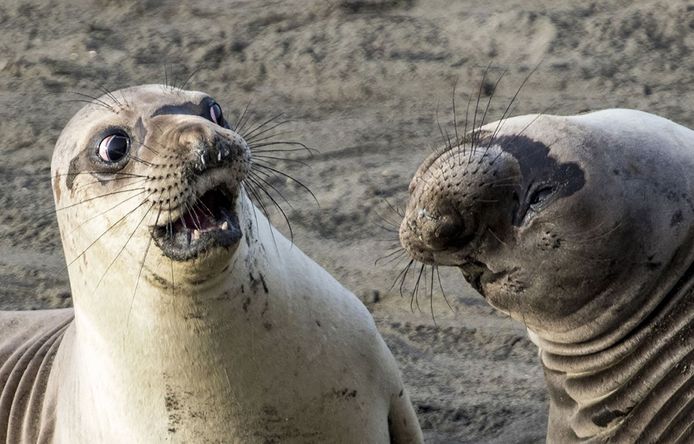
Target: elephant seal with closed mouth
x=194, y=320
x=582, y=228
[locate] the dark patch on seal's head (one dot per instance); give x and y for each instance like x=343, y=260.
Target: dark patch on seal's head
x=190, y=108
x=56, y=188
x=538, y=168
x=73, y=171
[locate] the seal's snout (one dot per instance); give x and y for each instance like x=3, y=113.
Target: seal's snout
x=208, y=162
x=453, y=201
x=205, y=146
x=215, y=154
x=434, y=230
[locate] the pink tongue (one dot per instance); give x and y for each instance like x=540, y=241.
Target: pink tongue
x=199, y=219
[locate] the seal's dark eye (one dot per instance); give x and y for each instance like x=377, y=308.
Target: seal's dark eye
x=540, y=195
x=114, y=147
x=216, y=114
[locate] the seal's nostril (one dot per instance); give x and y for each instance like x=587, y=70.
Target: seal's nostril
x=449, y=228
x=440, y=231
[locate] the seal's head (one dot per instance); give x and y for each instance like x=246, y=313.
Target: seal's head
x=559, y=222
x=149, y=174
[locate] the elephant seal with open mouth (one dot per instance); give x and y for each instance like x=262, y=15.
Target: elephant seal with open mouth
x=582, y=228
x=194, y=320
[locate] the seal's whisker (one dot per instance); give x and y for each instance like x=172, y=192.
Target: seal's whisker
x=117, y=173
x=94, y=101
x=116, y=223
x=401, y=277
x=256, y=176
x=267, y=167
x=186, y=208
x=193, y=216
x=108, y=210
x=431, y=296
x=392, y=256
x=169, y=234
x=240, y=120
x=166, y=75
x=465, y=138
x=252, y=179
x=258, y=200
x=389, y=230
x=190, y=76
x=477, y=106
x=123, y=247
x=280, y=143
x=263, y=127
x=397, y=278
x=110, y=95
x=290, y=150
x=414, y=299
x=200, y=204
x=134, y=181
x=443, y=292
x=90, y=199
x=455, y=114
x=142, y=142
x=444, y=136
x=144, y=162
x=89, y=102
x=507, y=111
x=139, y=274
x=251, y=132
x=263, y=137
x=392, y=226
x=261, y=156
x=397, y=261
x=398, y=211
x=491, y=97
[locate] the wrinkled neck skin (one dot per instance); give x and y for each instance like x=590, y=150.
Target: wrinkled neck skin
x=609, y=387
x=164, y=350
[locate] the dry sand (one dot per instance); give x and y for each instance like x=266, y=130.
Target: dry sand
x=362, y=81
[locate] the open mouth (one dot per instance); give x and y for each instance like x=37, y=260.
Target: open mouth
x=208, y=222
x=477, y=274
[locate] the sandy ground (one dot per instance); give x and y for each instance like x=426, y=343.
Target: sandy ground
x=363, y=82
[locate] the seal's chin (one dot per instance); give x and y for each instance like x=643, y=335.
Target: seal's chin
x=210, y=223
